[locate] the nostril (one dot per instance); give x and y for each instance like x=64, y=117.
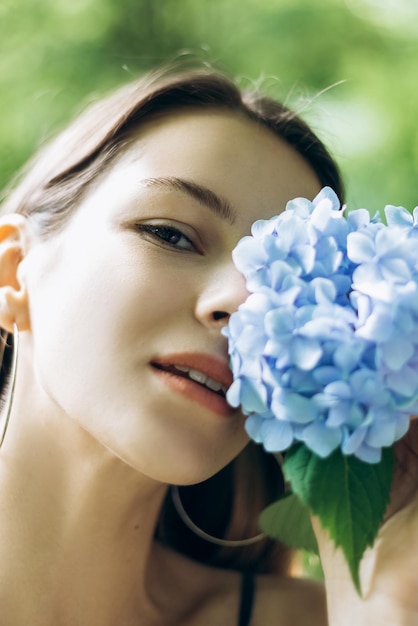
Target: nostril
x=220, y=315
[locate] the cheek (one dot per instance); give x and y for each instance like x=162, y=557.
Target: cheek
x=76, y=304
x=93, y=292
x=93, y=326
x=96, y=322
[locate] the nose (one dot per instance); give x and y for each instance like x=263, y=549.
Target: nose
x=220, y=296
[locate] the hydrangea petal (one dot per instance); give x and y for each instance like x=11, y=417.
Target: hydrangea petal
x=358, y=219
x=321, y=439
x=396, y=352
x=253, y=427
x=396, y=270
x=360, y=247
x=248, y=256
x=402, y=423
x=325, y=349
x=378, y=327
x=277, y=436
x=347, y=356
x=398, y=216
x=381, y=434
x=305, y=353
x=368, y=454
x=404, y=382
x=353, y=440
x=292, y=407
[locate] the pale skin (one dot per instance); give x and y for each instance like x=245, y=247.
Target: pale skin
x=95, y=436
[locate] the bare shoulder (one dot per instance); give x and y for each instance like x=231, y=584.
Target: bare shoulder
x=283, y=601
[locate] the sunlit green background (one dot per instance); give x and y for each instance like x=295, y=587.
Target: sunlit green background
x=349, y=66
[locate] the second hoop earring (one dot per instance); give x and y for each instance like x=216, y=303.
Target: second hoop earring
x=227, y=543
x=8, y=400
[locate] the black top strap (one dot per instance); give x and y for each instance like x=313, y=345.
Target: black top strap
x=247, y=599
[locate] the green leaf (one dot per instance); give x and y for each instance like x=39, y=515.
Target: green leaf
x=349, y=496
x=288, y=520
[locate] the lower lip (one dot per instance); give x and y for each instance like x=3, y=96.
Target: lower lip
x=195, y=392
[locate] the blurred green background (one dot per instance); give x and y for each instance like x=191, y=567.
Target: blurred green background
x=348, y=66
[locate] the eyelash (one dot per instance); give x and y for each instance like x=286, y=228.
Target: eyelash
x=165, y=233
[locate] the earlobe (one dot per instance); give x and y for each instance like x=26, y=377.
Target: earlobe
x=14, y=240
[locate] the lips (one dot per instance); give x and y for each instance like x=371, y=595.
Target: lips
x=200, y=377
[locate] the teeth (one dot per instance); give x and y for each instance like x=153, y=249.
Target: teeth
x=198, y=376
x=201, y=378
x=213, y=384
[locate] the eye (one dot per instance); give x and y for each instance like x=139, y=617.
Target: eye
x=169, y=236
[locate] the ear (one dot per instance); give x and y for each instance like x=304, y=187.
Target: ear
x=14, y=243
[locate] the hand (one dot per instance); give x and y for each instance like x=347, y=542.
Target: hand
x=389, y=570
x=396, y=564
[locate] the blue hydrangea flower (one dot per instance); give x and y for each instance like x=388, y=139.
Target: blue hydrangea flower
x=325, y=349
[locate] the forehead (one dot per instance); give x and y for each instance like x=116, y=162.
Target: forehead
x=242, y=161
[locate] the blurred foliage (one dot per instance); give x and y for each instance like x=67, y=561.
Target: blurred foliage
x=348, y=66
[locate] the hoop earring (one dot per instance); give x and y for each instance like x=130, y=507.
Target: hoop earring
x=8, y=401
x=228, y=543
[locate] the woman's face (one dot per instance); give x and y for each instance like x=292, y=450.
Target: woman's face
x=131, y=296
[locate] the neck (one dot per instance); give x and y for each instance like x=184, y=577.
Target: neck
x=77, y=526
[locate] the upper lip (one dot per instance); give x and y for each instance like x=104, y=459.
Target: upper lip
x=209, y=365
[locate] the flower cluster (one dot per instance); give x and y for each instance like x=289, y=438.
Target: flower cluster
x=325, y=349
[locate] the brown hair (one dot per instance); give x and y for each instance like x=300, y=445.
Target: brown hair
x=52, y=187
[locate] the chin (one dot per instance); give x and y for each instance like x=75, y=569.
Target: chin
x=171, y=451
x=177, y=467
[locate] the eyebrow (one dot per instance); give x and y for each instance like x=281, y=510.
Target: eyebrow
x=203, y=195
